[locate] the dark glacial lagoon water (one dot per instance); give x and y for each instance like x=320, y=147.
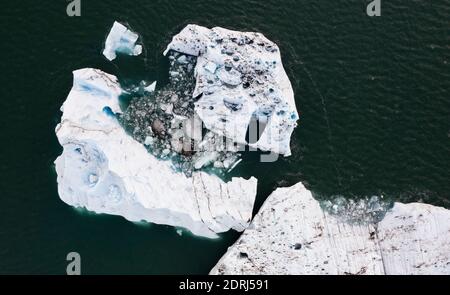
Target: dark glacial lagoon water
x=373, y=93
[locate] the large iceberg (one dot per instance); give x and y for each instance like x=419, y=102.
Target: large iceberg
x=293, y=234
x=240, y=78
x=121, y=39
x=105, y=170
x=126, y=163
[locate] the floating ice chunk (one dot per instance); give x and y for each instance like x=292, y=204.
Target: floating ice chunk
x=150, y=88
x=205, y=159
x=230, y=161
x=105, y=170
x=210, y=67
x=182, y=59
x=121, y=39
x=193, y=128
x=245, y=67
x=149, y=140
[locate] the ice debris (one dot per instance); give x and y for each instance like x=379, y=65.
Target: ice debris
x=164, y=120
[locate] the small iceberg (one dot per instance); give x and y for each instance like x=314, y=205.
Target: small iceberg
x=240, y=78
x=121, y=39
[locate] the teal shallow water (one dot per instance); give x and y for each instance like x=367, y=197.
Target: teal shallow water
x=373, y=94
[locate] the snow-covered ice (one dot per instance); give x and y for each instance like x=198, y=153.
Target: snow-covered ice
x=241, y=77
x=292, y=234
x=121, y=39
x=105, y=170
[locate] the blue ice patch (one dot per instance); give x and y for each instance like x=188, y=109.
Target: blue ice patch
x=108, y=111
x=124, y=40
x=294, y=116
x=281, y=112
x=86, y=87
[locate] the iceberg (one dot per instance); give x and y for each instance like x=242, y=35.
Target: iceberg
x=240, y=78
x=292, y=234
x=121, y=39
x=105, y=170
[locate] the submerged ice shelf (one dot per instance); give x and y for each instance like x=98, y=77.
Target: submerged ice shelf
x=292, y=234
x=105, y=170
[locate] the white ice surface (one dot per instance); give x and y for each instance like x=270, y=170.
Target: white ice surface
x=105, y=170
